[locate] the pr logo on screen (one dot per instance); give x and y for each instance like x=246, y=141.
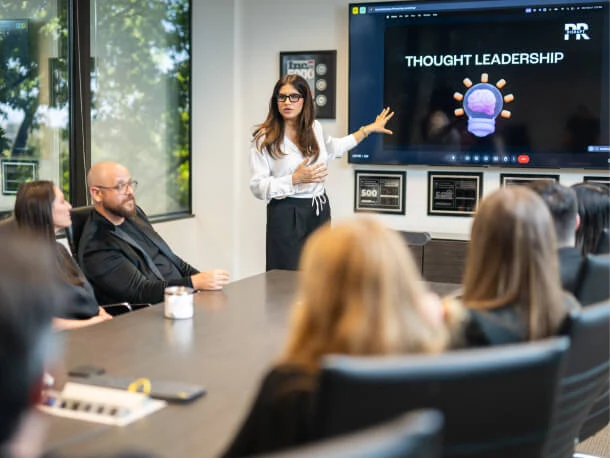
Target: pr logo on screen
x=578, y=31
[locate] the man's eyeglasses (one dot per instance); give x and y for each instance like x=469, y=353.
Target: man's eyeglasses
x=292, y=97
x=121, y=188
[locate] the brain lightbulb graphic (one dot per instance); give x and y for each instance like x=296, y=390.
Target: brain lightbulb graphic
x=482, y=103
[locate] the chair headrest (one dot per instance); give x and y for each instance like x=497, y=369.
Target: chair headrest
x=80, y=216
x=415, y=238
x=594, y=286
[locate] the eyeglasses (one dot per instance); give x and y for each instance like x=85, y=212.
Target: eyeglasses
x=292, y=97
x=121, y=188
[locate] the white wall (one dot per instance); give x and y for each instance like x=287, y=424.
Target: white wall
x=236, y=47
x=209, y=239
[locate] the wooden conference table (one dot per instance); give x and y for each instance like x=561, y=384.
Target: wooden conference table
x=227, y=347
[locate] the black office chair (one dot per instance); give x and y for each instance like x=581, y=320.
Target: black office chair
x=415, y=238
x=417, y=434
x=594, y=286
x=603, y=244
x=599, y=414
x=584, y=379
x=416, y=242
x=80, y=216
x=598, y=417
x=496, y=401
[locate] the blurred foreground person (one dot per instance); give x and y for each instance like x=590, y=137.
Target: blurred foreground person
x=359, y=294
x=29, y=296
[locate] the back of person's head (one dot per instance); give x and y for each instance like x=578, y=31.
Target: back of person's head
x=562, y=203
x=34, y=208
x=512, y=259
x=359, y=293
x=29, y=295
x=594, y=212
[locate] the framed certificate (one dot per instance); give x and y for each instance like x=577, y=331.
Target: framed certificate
x=511, y=179
x=319, y=68
x=454, y=193
x=15, y=172
x=378, y=191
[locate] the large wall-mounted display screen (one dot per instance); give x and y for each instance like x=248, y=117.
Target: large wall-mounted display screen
x=482, y=82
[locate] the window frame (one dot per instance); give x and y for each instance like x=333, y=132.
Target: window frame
x=79, y=128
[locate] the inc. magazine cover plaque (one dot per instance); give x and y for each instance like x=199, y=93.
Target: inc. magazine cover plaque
x=454, y=193
x=380, y=191
x=319, y=68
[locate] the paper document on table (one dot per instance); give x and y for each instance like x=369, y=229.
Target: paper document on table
x=100, y=405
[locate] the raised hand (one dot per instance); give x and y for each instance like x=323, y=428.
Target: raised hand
x=380, y=121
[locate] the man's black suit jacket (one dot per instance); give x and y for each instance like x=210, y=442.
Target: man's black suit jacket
x=119, y=269
x=571, y=264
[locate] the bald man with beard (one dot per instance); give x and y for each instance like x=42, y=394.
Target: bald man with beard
x=121, y=254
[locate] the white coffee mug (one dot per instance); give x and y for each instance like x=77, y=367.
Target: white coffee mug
x=179, y=302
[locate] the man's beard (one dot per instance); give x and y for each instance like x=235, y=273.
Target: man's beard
x=120, y=210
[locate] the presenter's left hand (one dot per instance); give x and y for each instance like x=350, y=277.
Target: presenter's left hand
x=380, y=121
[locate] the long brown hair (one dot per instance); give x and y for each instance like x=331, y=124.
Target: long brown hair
x=270, y=134
x=34, y=208
x=34, y=214
x=359, y=294
x=512, y=260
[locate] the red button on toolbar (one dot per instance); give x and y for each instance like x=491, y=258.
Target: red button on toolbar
x=523, y=159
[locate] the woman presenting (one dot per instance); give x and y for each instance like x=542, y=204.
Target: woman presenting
x=288, y=162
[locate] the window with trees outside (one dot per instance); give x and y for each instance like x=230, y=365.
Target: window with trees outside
x=94, y=80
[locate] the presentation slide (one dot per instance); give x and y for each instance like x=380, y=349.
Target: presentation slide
x=504, y=86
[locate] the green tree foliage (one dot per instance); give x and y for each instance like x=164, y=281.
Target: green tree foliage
x=141, y=94
x=31, y=32
x=140, y=87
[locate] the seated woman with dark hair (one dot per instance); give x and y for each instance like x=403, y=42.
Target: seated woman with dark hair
x=511, y=289
x=359, y=293
x=40, y=208
x=594, y=213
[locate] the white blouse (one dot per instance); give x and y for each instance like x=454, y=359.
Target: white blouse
x=272, y=178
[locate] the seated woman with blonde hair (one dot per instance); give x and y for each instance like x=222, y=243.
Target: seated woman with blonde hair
x=359, y=293
x=511, y=289
x=40, y=209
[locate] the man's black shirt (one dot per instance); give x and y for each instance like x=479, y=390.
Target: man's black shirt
x=168, y=269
